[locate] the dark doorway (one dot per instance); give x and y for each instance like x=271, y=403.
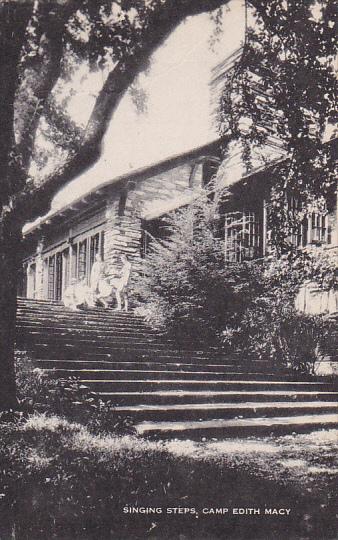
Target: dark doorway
x=153, y=230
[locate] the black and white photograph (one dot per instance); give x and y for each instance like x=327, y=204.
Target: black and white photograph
x=168, y=270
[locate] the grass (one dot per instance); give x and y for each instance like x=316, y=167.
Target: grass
x=61, y=481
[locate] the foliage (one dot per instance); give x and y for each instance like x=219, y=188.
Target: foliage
x=292, y=269
x=271, y=328
x=195, y=294
x=282, y=92
x=273, y=331
x=185, y=282
x=52, y=48
x=40, y=391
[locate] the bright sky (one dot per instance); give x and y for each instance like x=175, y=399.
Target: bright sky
x=179, y=108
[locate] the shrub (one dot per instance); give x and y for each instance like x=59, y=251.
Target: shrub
x=186, y=285
x=191, y=290
x=271, y=330
x=38, y=390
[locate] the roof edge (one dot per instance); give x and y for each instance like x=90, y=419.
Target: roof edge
x=173, y=160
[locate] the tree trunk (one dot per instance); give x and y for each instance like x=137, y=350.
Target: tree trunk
x=10, y=242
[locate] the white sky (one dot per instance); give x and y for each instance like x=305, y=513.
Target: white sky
x=179, y=109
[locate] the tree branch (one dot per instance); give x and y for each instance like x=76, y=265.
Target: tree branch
x=44, y=71
x=60, y=127
x=162, y=22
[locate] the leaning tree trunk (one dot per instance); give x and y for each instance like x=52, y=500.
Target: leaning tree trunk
x=10, y=241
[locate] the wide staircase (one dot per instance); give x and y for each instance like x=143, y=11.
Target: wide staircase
x=170, y=392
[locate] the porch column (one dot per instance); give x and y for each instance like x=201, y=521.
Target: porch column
x=39, y=273
x=28, y=280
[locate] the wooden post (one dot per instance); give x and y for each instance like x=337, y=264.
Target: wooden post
x=70, y=261
x=28, y=271
x=87, y=274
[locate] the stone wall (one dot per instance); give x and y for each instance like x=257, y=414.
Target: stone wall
x=122, y=235
x=126, y=208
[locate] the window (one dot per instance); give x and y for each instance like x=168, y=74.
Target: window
x=242, y=236
x=65, y=269
x=71, y=263
x=74, y=260
x=102, y=244
x=319, y=228
x=94, y=248
x=314, y=229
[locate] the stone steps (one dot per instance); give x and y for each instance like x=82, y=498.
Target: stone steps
x=91, y=329
x=203, y=411
x=88, y=365
x=54, y=307
x=186, y=397
x=77, y=319
x=53, y=351
x=160, y=374
x=132, y=385
x=107, y=343
x=94, y=314
x=169, y=391
x=86, y=321
x=238, y=427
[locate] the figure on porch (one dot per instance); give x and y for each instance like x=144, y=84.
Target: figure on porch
x=121, y=284
x=78, y=295
x=96, y=274
x=104, y=287
x=69, y=295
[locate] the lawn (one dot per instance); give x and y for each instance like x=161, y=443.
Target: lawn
x=59, y=480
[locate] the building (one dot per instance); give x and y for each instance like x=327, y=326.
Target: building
x=246, y=214
x=120, y=216
x=125, y=214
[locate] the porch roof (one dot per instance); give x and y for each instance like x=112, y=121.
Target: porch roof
x=98, y=194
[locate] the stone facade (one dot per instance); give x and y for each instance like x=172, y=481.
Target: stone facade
x=137, y=201
x=110, y=219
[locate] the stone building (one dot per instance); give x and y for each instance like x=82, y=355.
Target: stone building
x=120, y=216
